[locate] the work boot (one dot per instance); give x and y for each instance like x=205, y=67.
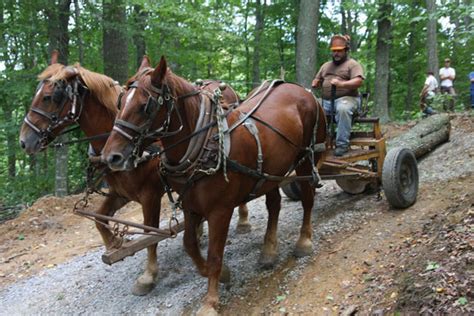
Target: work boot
x=340, y=151
x=429, y=111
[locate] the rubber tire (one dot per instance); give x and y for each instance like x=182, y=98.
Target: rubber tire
x=292, y=190
x=352, y=186
x=400, y=177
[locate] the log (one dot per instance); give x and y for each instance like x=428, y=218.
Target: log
x=425, y=136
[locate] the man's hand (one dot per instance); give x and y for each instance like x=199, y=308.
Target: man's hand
x=338, y=83
x=315, y=83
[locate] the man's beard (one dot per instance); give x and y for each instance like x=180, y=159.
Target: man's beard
x=338, y=62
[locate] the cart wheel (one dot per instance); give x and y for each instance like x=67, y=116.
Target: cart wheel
x=352, y=186
x=400, y=177
x=292, y=190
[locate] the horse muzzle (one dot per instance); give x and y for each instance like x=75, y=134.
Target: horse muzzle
x=31, y=144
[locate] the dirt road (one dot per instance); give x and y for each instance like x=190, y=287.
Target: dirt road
x=368, y=258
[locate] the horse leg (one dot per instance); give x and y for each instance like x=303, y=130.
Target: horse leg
x=304, y=245
x=151, y=217
x=192, y=224
x=110, y=205
x=218, y=224
x=270, y=244
x=243, y=225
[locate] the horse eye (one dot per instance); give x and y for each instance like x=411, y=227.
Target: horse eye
x=46, y=98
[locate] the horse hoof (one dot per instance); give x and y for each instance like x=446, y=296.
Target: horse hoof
x=303, y=251
x=225, y=275
x=267, y=261
x=114, y=244
x=207, y=311
x=140, y=289
x=243, y=228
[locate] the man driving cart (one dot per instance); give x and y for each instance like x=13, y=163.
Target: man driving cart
x=347, y=76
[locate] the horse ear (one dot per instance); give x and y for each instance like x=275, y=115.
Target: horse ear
x=159, y=73
x=145, y=63
x=54, y=57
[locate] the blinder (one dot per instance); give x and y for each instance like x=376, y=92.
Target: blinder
x=60, y=93
x=153, y=106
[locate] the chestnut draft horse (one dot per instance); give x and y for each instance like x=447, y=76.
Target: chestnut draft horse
x=73, y=94
x=273, y=132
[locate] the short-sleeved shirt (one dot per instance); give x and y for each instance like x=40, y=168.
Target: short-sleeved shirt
x=446, y=72
x=348, y=70
x=432, y=84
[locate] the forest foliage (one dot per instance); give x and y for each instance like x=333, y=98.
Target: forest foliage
x=208, y=39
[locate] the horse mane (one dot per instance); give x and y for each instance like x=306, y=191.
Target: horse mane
x=171, y=79
x=101, y=86
x=50, y=71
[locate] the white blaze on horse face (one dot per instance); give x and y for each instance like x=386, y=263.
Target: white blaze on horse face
x=129, y=97
x=39, y=90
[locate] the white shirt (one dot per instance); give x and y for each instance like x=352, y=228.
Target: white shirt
x=432, y=84
x=446, y=72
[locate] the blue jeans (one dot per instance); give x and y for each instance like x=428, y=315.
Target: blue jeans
x=344, y=110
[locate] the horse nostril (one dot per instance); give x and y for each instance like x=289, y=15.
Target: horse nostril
x=115, y=159
x=22, y=144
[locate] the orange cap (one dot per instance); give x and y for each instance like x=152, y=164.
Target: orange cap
x=339, y=42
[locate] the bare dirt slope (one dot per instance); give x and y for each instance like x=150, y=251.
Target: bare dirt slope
x=368, y=258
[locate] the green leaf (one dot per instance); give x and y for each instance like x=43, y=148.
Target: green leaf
x=280, y=298
x=21, y=237
x=432, y=266
x=462, y=300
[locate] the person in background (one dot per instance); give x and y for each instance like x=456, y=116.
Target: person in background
x=447, y=74
x=427, y=93
x=347, y=75
x=471, y=79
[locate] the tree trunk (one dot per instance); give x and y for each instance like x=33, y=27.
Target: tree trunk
x=259, y=26
x=382, y=65
x=58, y=20
x=58, y=35
x=349, y=24
x=115, y=49
x=80, y=43
x=7, y=112
x=140, y=17
x=431, y=38
x=247, y=48
x=308, y=21
x=424, y=136
x=410, y=62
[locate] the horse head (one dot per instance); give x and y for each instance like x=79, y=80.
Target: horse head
x=61, y=99
x=49, y=111
x=145, y=115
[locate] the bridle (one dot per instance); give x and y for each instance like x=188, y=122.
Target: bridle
x=63, y=92
x=153, y=105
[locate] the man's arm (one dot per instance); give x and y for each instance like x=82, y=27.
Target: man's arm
x=352, y=84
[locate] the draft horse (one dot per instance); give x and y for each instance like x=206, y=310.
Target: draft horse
x=73, y=94
x=270, y=134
